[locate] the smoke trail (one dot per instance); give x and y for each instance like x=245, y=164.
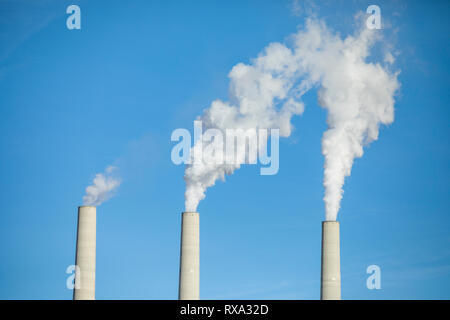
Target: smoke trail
x=358, y=96
x=261, y=97
x=102, y=189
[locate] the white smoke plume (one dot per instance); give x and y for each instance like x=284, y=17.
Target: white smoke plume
x=261, y=97
x=358, y=95
x=265, y=94
x=103, y=187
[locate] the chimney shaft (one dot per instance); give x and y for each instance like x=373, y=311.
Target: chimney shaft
x=189, y=286
x=85, y=256
x=330, y=288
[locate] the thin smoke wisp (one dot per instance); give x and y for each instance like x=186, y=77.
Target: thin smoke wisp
x=103, y=187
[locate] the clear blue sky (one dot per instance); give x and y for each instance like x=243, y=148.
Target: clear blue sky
x=74, y=102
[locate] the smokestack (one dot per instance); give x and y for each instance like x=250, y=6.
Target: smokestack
x=85, y=256
x=330, y=284
x=190, y=257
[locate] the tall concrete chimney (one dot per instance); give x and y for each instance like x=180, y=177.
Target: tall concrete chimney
x=189, y=286
x=85, y=257
x=330, y=283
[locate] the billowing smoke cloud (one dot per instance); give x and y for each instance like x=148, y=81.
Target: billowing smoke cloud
x=359, y=96
x=103, y=187
x=265, y=94
x=261, y=97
